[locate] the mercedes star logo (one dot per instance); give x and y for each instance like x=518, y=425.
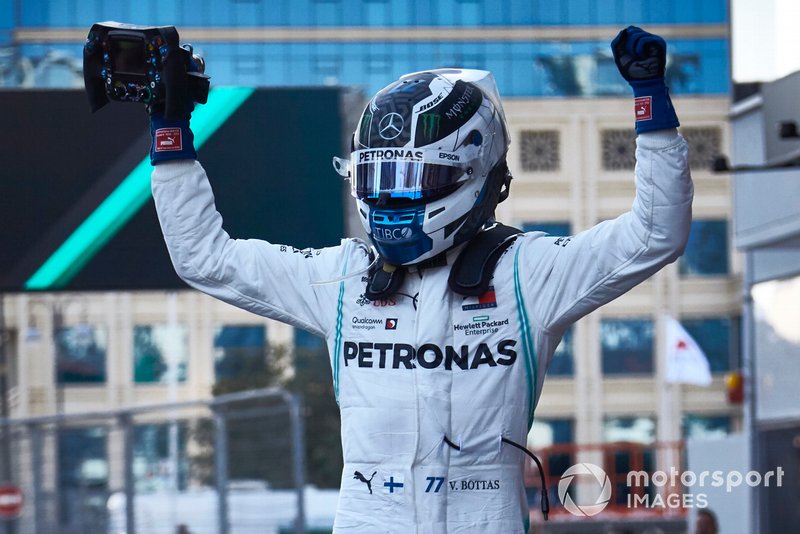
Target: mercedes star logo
x=391, y=126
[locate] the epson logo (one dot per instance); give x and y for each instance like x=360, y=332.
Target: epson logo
x=428, y=355
x=449, y=156
x=391, y=234
x=365, y=156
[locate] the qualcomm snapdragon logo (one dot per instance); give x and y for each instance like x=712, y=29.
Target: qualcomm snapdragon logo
x=603, y=484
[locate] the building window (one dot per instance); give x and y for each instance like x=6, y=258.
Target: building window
x=548, y=432
x=239, y=351
x=632, y=438
x=561, y=71
x=306, y=340
x=325, y=65
x=154, y=347
x=153, y=459
x=81, y=354
x=707, y=250
x=555, y=228
x=376, y=13
x=684, y=71
x=377, y=64
x=9, y=342
x=540, y=150
x=310, y=354
x=607, y=80
x=82, y=478
x=705, y=144
x=552, y=440
x=327, y=12
x=706, y=426
x=629, y=430
x=627, y=346
x=470, y=61
x=618, y=149
x=719, y=339
x=248, y=64
x=563, y=362
x=468, y=12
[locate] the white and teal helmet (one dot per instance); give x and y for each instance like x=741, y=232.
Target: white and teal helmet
x=428, y=162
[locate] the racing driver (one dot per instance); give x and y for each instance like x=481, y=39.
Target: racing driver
x=437, y=394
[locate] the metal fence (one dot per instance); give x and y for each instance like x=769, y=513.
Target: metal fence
x=230, y=465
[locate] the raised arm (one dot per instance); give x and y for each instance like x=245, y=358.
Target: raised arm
x=276, y=281
x=569, y=278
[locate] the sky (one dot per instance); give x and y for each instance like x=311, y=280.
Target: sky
x=766, y=39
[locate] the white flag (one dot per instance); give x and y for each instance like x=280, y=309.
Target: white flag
x=686, y=361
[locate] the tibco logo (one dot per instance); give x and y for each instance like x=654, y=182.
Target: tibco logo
x=602, y=481
x=391, y=234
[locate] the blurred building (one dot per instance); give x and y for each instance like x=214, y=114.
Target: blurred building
x=556, y=48
x=766, y=157
x=572, y=156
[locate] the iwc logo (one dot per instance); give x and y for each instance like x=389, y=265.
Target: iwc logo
x=603, y=483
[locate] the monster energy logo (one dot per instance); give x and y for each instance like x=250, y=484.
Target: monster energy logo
x=430, y=125
x=366, y=119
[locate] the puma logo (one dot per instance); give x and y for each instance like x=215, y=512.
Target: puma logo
x=168, y=139
x=358, y=476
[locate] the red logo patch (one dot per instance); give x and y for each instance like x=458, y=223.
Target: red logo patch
x=391, y=324
x=487, y=300
x=168, y=140
x=643, y=108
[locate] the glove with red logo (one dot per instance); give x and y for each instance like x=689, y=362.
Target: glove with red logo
x=641, y=58
x=169, y=121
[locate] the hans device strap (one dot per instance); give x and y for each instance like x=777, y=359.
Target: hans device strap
x=384, y=280
x=471, y=271
x=474, y=266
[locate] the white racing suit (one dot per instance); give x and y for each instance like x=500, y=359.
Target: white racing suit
x=429, y=364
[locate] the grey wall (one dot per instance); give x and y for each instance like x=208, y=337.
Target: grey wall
x=727, y=454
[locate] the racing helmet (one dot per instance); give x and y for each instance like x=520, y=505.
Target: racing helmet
x=428, y=162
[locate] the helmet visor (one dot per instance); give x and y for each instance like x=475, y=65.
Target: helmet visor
x=405, y=174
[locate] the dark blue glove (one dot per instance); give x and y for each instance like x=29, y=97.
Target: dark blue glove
x=172, y=139
x=169, y=120
x=641, y=58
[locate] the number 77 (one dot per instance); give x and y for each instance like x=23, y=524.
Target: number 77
x=434, y=480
